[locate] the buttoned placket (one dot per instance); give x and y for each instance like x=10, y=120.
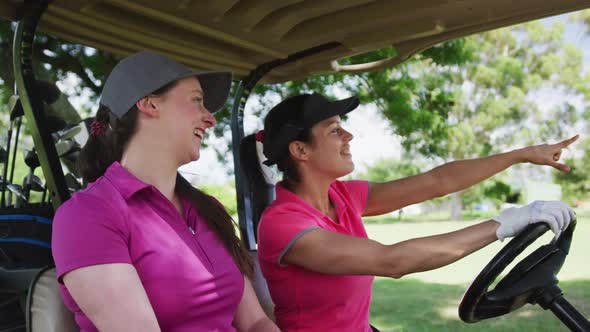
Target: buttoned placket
x=184, y=221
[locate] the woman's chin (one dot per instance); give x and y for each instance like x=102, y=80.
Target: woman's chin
x=350, y=168
x=195, y=156
x=188, y=158
x=347, y=169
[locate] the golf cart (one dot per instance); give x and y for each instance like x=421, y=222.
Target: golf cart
x=260, y=42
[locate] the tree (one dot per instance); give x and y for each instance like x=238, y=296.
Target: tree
x=469, y=97
x=55, y=60
x=390, y=169
x=460, y=99
x=575, y=185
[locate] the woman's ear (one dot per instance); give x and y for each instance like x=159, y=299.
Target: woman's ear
x=298, y=150
x=147, y=106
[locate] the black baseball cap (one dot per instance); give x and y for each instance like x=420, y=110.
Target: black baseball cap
x=140, y=74
x=288, y=119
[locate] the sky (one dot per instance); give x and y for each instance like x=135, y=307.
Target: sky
x=369, y=128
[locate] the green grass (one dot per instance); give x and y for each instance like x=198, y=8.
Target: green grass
x=433, y=216
x=428, y=301
x=413, y=305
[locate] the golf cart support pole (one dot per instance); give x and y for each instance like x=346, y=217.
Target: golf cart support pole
x=237, y=129
x=32, y=104
x=553, y=300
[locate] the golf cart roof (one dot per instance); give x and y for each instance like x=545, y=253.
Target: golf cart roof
x=240, y=35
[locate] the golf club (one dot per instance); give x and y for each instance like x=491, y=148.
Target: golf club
x=32, y=161
x=4, y=161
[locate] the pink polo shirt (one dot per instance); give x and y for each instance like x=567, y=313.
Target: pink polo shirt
x=304, y=300
x=191, y=280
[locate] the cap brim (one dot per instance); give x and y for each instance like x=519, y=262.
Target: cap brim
x=338, y=107
x=216, y=86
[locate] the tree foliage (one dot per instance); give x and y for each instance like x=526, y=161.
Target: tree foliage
x=463, y=98
x=390, y=169
x=57, y=61
x=575, y=185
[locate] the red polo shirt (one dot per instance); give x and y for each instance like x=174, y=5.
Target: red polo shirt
x=306, y=300
x=191, y=280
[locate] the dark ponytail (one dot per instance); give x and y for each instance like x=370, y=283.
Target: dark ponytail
x=285, y=164
x=102, y=150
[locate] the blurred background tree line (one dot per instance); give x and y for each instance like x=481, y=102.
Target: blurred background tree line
x=464, y=98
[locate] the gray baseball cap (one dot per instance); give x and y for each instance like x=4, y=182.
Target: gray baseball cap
x=142, y=73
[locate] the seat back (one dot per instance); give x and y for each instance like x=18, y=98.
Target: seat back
x=261, y=288
x=45, y=310
x=260, y=190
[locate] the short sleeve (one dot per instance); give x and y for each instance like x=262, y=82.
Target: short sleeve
x=358, y=194
x=278, y=231
x=87, y=231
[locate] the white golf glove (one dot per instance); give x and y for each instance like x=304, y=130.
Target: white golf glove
x=557, y=215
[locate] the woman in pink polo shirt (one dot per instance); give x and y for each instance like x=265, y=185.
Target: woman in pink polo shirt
x=140, y=249
x=312, y=245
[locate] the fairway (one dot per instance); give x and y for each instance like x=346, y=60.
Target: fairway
x=428, y=301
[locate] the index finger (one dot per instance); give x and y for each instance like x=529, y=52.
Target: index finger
x=567, y=142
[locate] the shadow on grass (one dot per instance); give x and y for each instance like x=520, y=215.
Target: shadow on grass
x=411, y=305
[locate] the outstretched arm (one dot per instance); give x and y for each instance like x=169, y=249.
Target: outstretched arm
x=343, y=254
x=334, y=253
x=457, y=175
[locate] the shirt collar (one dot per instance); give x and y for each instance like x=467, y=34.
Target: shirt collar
x=125, y=182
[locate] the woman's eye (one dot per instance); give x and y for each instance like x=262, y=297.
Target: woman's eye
x=198, y=100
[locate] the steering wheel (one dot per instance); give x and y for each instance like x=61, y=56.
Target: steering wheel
x=528, y=282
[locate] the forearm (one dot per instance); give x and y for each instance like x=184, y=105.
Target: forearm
x=428, y=253
x=249, y=315
x=458, y=175
x=263, y=325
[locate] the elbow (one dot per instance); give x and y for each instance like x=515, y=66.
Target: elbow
x=396, y=271
x=440, y=184
x=391, y=265
x=442, y=187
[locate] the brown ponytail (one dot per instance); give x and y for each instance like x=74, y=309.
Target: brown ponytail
x=101, y=151
x=219, y=221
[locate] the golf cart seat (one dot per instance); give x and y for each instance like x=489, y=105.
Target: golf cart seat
x=45, y=311
x=260, y=191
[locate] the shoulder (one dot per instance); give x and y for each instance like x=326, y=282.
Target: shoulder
x=280, y=225
x=285, y=208
x=100, y=200
x=285, y=217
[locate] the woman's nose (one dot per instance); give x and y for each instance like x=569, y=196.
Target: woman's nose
x=347, y=135
x=208, y=118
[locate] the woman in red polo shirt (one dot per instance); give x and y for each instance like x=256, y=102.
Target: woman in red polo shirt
x=312, y=245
